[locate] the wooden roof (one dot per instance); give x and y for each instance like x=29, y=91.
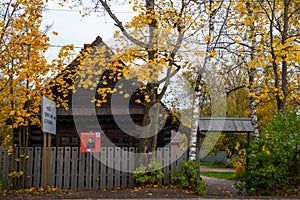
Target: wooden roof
x=99, y=111
x=219, y=124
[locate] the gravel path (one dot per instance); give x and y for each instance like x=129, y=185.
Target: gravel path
x=220, y=187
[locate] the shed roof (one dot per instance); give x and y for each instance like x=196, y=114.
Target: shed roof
x=219, y=124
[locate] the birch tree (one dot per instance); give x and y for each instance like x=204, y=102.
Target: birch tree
x=212, y=36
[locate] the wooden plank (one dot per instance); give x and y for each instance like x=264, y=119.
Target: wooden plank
x=37, y=167
x=29, y=174
x=159, y=157
x=103, y=176
x=67, y=167
x=16, y=165
x=59, y=164
x=117, y=162
x=124, y=167
x=181, y=157
x=110, y=170
x=131, y=166
x=74, y=168
x=96, y=170
x=6, y=165
x=81, y=178
x=45, y=167
x=88, y=167
x=166, y=164
x=53, y=174
x=2, y=165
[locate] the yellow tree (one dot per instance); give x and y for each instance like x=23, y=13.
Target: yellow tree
x=23, y=65
x=262, y=37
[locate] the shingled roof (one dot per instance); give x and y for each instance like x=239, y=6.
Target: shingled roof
x=220, y=124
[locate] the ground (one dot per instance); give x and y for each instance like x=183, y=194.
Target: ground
x=216, y=189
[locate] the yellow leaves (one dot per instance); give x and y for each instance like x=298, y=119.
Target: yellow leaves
x=237, y=146
x=12, y=113
x=212, y=54
x=251, y=94
x=135, y=8
x=126, y=95
x=54, y=33
x=147, y=98
x=138, y=101
x=207, y=38
x=116, y=34
x=7, y=141
x=16, y=174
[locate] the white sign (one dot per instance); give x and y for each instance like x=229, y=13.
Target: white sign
x=48, y=116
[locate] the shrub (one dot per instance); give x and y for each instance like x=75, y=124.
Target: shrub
x=150, y=174
x=274, y=159
x=189, y=178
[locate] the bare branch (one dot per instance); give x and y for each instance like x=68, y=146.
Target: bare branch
x=119, y=24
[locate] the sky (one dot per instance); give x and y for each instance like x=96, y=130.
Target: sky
x=72, y=28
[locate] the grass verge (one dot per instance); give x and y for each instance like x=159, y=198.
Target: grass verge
x=222, y=175
x=212, y=164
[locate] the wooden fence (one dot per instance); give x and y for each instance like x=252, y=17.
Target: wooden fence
x=71, y=169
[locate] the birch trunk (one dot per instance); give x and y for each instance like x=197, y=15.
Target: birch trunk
x=252, y=72
x=195, y=123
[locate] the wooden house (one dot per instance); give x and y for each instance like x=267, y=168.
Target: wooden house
x=81, y=117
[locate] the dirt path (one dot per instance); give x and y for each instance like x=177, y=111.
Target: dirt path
x=220, y=187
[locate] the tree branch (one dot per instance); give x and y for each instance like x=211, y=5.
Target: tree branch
x=119, y=24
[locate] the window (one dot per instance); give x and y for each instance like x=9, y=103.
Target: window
x=69, y=140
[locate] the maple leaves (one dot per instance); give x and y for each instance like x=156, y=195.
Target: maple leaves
x=23, y=64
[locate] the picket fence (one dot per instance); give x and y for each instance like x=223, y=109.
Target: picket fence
x=71, y=169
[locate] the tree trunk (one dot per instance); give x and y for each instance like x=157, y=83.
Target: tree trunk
x=252, y=72
x=284, y=83
x=195, y=122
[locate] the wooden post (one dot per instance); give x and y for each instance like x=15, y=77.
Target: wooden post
x=247, y=151
x=44, y=183
x=48, y=160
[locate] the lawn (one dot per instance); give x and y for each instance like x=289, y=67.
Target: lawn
x=210, y=164
x=222, y=175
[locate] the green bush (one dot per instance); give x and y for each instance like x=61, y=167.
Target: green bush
x=274, y=159
x=189, y=178
x=150, y=174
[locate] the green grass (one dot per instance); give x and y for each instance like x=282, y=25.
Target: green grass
x=212, y=164
x=222, y=175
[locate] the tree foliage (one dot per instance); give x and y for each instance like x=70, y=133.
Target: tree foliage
x=22, y=61
x=274, y=159
x=264, y=40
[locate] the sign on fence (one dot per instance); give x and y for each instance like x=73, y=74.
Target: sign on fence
x=90, y=142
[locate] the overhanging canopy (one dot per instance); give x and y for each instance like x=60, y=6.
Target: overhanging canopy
x=227, y=125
